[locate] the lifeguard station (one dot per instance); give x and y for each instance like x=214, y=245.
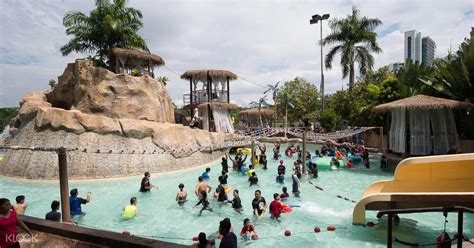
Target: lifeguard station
x=209, y=98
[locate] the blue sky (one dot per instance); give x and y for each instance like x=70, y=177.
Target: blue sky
x=261, y=41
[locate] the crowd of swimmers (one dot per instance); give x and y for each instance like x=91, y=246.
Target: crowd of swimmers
x=203, y=190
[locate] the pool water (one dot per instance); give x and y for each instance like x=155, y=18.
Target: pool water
x=160, y=217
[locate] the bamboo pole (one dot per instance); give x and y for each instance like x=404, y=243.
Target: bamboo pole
x=304, y=151
x=253, y=153
x=63, y=185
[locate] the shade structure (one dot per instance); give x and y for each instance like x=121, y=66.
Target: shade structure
x=255, y=111
x=201, y=75
x=130, y=55
x=422, y=125
x=423, y=102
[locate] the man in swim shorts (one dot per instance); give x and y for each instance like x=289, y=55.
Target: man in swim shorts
x=201, y=186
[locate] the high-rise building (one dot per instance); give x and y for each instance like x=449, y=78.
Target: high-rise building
x=417, y=49
x=428, y=47
x=413, y=45
x=395, y=67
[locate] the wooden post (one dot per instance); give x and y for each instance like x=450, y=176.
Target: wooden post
x=253, y=153
x=381, y=140
x=304, y=150
x=460, y=224
x=389, y=230
x=191, y=91
x=286, y=114
x=63, y=185
x=228, y=91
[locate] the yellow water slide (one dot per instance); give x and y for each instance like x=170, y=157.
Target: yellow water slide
x=433, y=181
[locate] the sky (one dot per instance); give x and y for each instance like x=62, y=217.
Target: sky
x=263, y=42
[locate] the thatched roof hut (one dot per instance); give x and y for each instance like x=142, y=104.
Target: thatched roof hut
x=125, y=60
x=422, y=125
x=217, y=105
x=133, y=54
x=201, y=75
x=423, y=102
x=254, y=111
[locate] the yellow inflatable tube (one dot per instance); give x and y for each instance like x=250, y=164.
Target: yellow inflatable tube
x=247, y=151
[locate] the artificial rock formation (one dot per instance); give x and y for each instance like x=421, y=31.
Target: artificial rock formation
x=113, y=124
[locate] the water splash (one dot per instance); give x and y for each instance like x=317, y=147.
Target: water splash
x=6, y=133
x=315, y=208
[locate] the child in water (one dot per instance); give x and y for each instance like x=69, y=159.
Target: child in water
x=131, y=210
x=247, y=230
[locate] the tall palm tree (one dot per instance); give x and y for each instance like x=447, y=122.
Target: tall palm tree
x=262, y=102
x=110, y=24
x=274, y=89
x=355, y=39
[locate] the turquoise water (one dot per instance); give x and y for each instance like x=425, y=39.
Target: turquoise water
x=161, y=218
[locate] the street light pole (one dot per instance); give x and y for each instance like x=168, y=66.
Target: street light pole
x=314, y=20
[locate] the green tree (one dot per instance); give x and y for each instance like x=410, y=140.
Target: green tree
x=262, y=102
x=6, y=114
x=163, y=79
x=109, y=25
x=453, y=76
x=409, y=78
x=274, y=90
x=304, y=97
x=355, y=39
x=52, y=83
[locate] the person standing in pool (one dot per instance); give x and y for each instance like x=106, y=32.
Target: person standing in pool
x=75, y=202
x=181, y=195
x=54, y=215
x=20, y=206
x=146, y=186
x=247, y=230
x=276, y=207
x=281, y=168
x=201, y=186
x=130, y=211
x=259, y=204
x=225, y=165
x=205, y=203
x=280, y=178
x=253, y=180
x=205, y=174
x=296, y=185
x=236, y=203
x=223, y=178
x=263, y=161
x=284, y=195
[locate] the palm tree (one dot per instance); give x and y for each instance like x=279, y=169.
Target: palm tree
x=163, y=79
x=355, y=39
x=274, y=89
x=262, y=102
x=108, y=25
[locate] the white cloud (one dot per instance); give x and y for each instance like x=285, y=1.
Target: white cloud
x=262, y=41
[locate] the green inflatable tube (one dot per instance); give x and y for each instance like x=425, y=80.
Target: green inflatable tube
x=324, y=163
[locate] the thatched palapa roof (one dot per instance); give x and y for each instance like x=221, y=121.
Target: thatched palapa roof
x=201, y=75
x=135, y=54
x=422, y=102
x=254, y=111
x=218, y=105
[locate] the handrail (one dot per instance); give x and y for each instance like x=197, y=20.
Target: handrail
x=459, y=209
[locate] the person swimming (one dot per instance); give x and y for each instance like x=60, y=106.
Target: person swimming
x=130, y=211
x=181, y=195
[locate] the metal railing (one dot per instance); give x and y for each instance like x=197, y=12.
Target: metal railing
x=459, y=209
x=200, y=96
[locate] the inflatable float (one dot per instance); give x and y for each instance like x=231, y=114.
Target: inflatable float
x=286, y=209
x=324, y=163
x=246, y=151
x=227, y=189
